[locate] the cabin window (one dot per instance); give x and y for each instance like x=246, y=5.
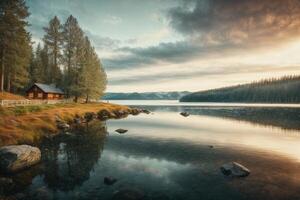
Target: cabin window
x=40, y=95
x=50, y=95
x=30, y=95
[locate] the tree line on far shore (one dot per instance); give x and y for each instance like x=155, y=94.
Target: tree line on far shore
x=275, y=90
x=66, y=57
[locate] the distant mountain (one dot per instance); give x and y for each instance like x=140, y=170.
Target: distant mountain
x=282, y=90
x=145, y=96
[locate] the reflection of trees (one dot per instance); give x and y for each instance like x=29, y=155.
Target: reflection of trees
x=286, y=118
x=69, y=160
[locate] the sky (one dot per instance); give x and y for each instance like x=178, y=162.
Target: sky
x=183, y=45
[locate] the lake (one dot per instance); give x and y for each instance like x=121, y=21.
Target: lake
x=167, y=156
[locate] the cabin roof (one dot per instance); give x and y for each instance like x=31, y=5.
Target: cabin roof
x=48, y=88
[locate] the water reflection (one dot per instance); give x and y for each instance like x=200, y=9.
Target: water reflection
x=167, y=156
x=283, y=117
x=69, y=160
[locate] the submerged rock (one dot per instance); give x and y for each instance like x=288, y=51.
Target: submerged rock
x=18, y=157
x=6, y=185
x=121, y=131
x=235, y=169
x=109, y=180
x=42, y=193
x=129, y=194
x=146, y=111
x=185, y=114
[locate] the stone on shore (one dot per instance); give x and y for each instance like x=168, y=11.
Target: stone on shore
x=17, y=157
x=234, y=169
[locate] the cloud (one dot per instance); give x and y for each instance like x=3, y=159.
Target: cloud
x=199, y=72
x=237, y=21
x=102, y=43
x=217, y=28
x=172, y=52
x=112, y=20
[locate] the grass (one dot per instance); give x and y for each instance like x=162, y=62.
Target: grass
x=27, y=124
x=10, y=96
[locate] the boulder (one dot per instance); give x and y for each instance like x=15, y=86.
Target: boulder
x=135, y=111
x=121, y=131
x=234, y=169
x=109, y=180
x=63, y=126
x=89, y=116
x=77, y=119
x=17, y=157
x=185, y=114
x=103, y=115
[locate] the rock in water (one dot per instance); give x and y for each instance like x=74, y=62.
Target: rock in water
x=18, y=157
x=185, y=114
x=109, y=180
x=121, y=131
x=234, y=169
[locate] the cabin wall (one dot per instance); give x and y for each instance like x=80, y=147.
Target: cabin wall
x=36, y=93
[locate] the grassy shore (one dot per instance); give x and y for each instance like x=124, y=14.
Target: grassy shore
x=29, y=123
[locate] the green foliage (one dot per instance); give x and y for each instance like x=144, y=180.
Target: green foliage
x=66, y=58
x=54, y=40
x=81, y=73
x=283, y=90
x=15, y=45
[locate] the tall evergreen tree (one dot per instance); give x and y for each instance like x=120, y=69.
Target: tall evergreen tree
x=45, y=62
x=72, y=56
x=53, y=39
x=93, y=77
x=15, y=45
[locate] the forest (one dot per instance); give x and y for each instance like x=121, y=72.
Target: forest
x=275, y=90
x=65, y=58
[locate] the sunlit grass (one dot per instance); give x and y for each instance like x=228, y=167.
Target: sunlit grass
x=27, y=124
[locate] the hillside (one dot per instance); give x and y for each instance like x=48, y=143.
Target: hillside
x=282, y=90
x=10, y=96
x=145, y=96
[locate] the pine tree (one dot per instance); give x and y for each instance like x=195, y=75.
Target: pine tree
x=93, y=77
x=72, y=56
x=15, y=45
x=53, y=39
x=45, y=64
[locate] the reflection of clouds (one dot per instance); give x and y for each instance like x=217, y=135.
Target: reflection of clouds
x=155, y=167
x=206, y=130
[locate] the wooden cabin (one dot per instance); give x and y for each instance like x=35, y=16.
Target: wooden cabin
x=43, y=91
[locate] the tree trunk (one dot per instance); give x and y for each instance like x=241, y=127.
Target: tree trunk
x=2, y=72
x=8, y=83
x=87, y=98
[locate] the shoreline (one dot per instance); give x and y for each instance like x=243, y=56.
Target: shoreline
x=27, y=127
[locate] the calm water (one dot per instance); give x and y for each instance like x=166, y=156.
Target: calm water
x=167, y=156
